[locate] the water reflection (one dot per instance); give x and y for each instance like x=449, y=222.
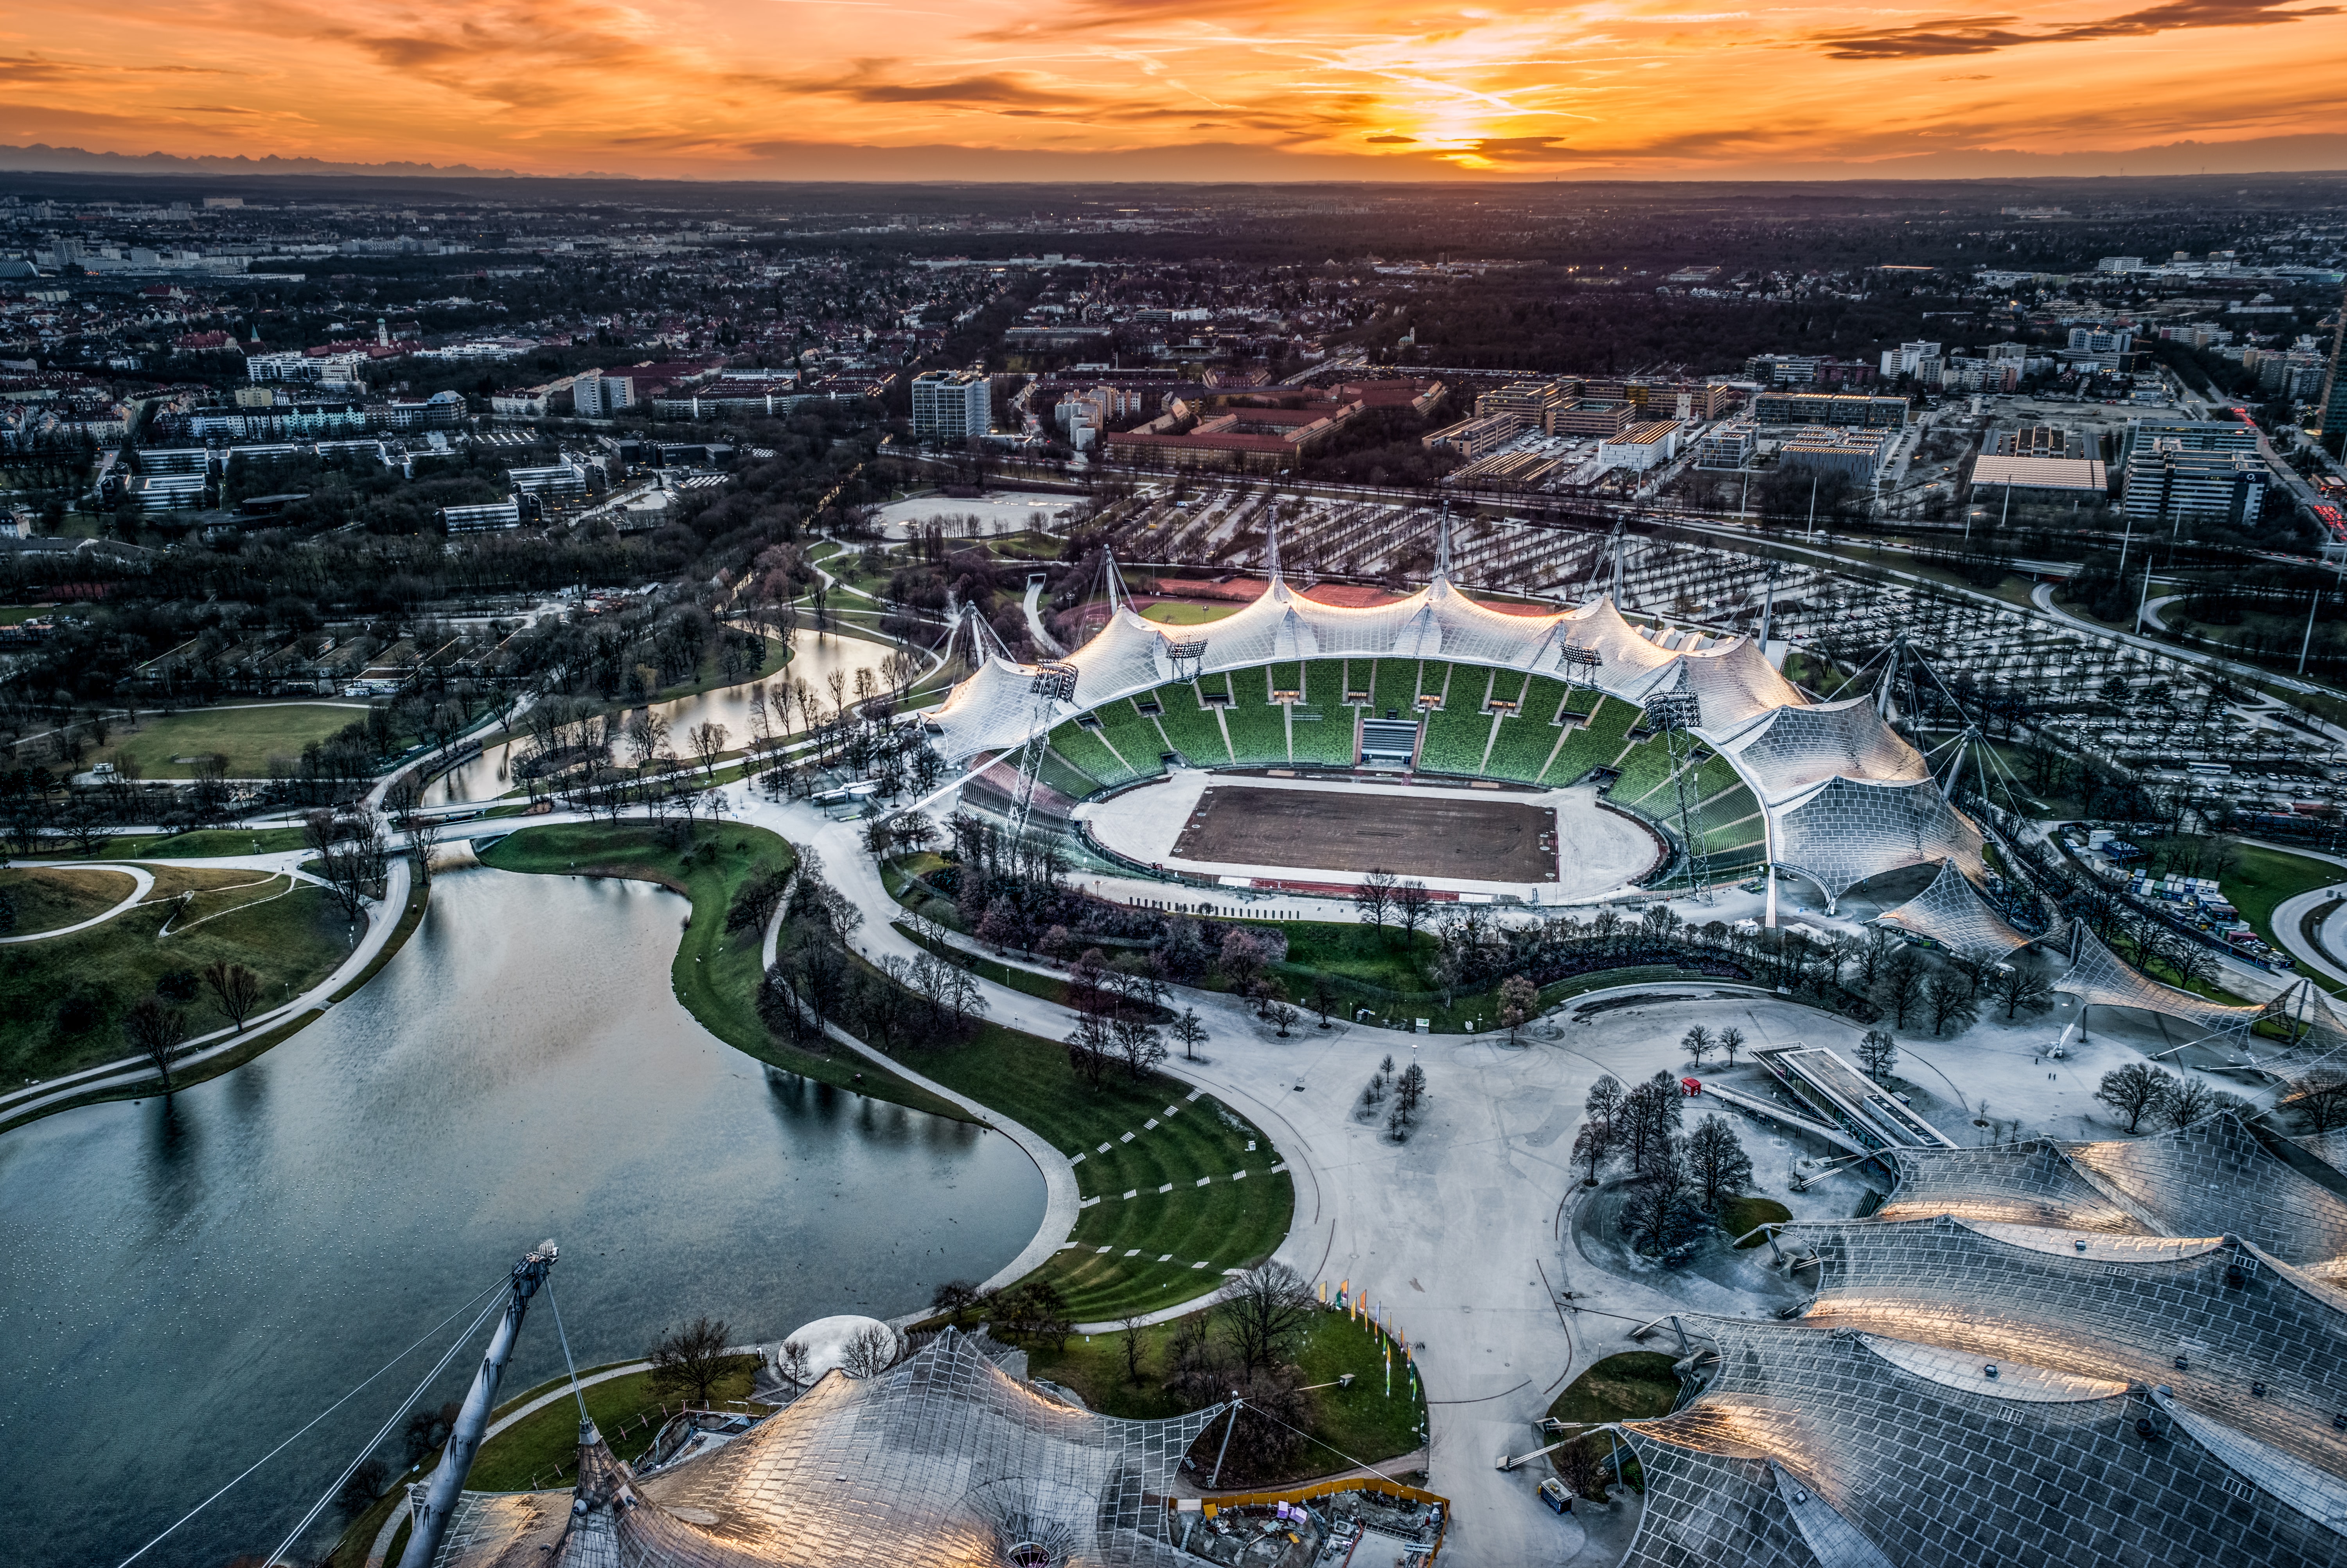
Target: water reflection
x=813, y=660
x=182, y=1283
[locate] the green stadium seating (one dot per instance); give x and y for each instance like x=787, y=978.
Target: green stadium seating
x=1646, y=773
x=1259, y=733
x=1136, y=739
x=1522, y=746
x=1329, y=742
x=1058, y=775
x=1190, y=729
x=1455, y=737
x=1082, y=749
x=1397, y=687
x=1594, y=744
x=1285, y=675
x=1324, y=684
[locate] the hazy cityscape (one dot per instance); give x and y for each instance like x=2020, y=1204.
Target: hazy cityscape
x=737, y=875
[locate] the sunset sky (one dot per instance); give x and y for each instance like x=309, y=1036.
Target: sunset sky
x=1200, y=89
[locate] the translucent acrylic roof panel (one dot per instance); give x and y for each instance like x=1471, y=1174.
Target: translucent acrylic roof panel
x=2098, y=977
x=1794, y=749
x=1734, y=681
x=1951, y=913
x=2125, y=1307
x=1848, y=830
x=1125, y=656
x=1935, y=1476
x=2023, y=1184
x=943, y=1459
x=993, y=709
x=1704, y=1508
x=2314, y=1492
x=2215, y=1178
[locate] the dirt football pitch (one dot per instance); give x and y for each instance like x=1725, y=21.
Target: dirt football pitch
x=1479, y=840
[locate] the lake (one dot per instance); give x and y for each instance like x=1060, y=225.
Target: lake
x=183, y=1284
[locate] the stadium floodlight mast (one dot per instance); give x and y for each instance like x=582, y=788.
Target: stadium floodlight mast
x=1677, y=714
x=1188, y=658
x=1051, y=682
x=1578, y=666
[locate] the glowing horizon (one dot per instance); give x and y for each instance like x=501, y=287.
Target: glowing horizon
x=879, y=88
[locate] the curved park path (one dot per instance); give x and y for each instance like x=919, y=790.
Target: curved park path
x=142, y=883
x=130, y=1071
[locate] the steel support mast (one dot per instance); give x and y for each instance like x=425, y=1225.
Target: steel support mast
x=439, y=1504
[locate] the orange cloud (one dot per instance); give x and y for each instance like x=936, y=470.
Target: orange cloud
x=1218, y=88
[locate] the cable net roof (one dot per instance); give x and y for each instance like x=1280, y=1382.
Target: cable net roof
x=1951, y=913
x=1845, y=797
x=942, y=1461
x=2017, y=1183
x=2122, y=1308
x=1926, y=1462
x=1848, y=830
x=2214, y=1178
x=1788, y=750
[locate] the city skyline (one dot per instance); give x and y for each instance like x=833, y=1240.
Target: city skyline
x=838, y=90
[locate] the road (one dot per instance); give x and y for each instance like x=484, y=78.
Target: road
x=2042, y=597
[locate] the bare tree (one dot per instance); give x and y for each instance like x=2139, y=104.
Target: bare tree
x=1698, y=1042
x=1411, y=901
x=1374, y=897
x=1131, y=1325
x=2134, y=1090
x=1731, y=1041
x=1716, y=1162
x=708, y=743
x=791, y=1362
x=1900, y=985
x=954, y=1298
x=1877, y=1053
x=2321, y=1099
x=693, y=1358
x=2020, y=989
x=870, y=1351
x=1191, y=1033
x=2187, y=1102
x=157, y=1032
x=1266, y=1311
x=235, y=989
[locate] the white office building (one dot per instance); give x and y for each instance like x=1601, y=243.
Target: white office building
x=952, y=404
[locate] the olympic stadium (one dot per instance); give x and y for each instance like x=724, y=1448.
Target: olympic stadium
x=1724, y=763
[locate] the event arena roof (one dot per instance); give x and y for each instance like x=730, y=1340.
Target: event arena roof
x=942, y=1461
x=1844, y=797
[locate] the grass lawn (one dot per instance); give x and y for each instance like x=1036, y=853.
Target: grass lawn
x=248, y=736
x=1637, y=1385
x=1170, y=612
x=1359, y=953
x=204, y=843
x=716, y=977
x=48, y=897
x=625, y=1410
x=2261, y=878
x=1228, y=1223
x=1739, y=1215
x=292, y=941
x=1360, y=1425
